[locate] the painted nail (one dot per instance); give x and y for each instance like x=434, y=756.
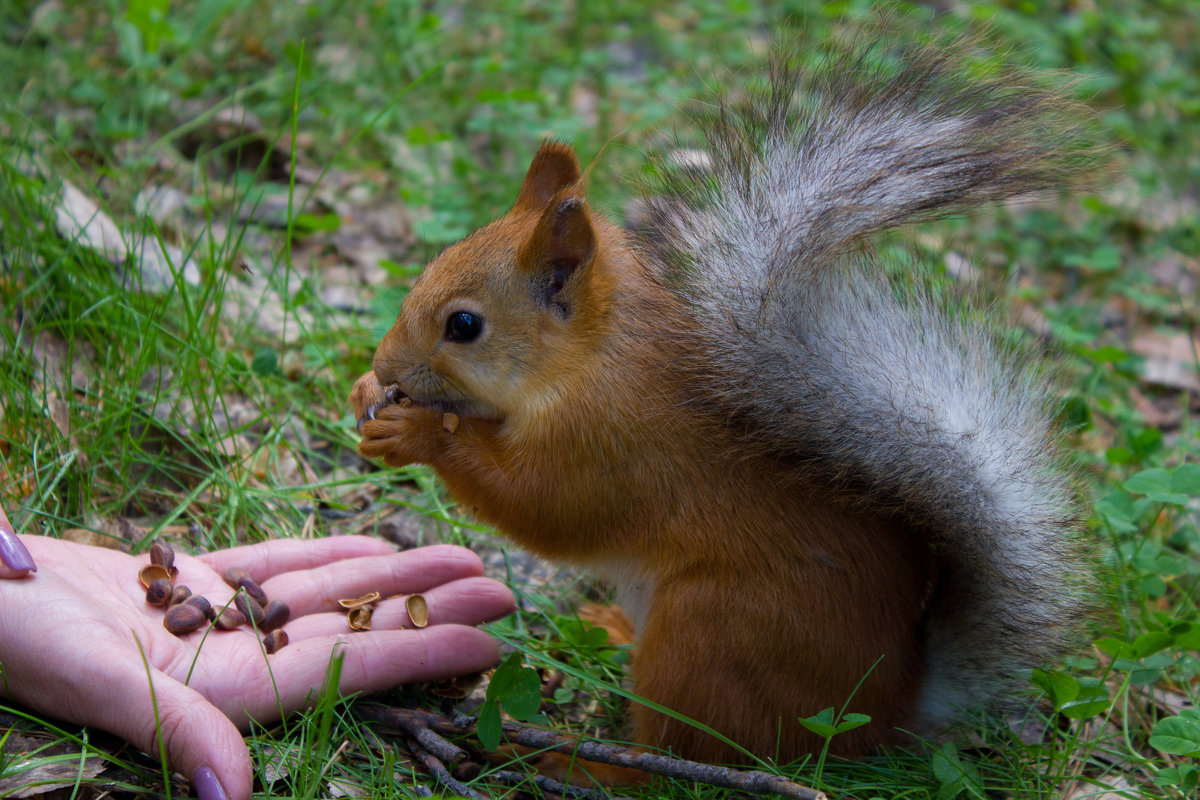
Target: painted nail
x=207, y=786
x=13, y=552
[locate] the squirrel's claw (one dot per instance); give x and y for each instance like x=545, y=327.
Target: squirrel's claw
x=391, y=396
x=370, y=413
x=368, y=397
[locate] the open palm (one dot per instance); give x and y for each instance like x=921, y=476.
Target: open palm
x=72, y=638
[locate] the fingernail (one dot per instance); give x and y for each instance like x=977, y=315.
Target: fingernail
x=13, y=552
x=207, y=786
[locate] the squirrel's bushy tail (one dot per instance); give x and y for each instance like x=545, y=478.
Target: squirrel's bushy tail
x=869, y=388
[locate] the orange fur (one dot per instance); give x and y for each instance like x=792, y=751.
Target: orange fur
x=580, y=438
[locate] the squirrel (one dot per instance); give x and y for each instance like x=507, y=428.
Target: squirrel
x=811, y=483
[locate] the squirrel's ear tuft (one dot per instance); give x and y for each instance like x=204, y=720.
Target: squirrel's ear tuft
x=563, y=242
x=553, y=168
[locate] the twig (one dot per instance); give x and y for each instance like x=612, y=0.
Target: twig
x=753, y=782
x=551, y=786
x=418, y=728
x=443, y=776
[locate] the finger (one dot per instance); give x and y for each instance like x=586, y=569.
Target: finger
x=411, y=433
x=469, y=601
x=15, y=560
x=372, y=662
x=194, y=733
x=381, y=439
x=417, y=570
x=277, y=556
x=199, y=739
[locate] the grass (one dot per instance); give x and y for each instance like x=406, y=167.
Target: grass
x=291, y=140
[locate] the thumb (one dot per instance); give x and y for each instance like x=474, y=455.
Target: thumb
x=201, y=742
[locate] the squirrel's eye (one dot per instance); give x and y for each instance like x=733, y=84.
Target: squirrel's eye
x=463, y=326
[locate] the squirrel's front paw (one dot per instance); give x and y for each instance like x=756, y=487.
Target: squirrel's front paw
x=401, y=434
x=368, y=396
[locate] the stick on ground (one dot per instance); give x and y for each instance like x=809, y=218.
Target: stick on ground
x=753, y=781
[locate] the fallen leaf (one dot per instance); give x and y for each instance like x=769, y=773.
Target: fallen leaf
x=81, y=220
x=42, y=775
x=1170, y=360
x=275, y=765
x=1114, y=788
x=345, y=788
x=105, y=535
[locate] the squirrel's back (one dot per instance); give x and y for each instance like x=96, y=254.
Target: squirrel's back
x=868, y=387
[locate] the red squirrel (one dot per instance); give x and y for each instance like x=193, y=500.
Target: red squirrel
x=811, y=484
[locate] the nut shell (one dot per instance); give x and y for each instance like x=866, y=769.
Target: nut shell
x=275, y=640
x=178, y=595
x=158, y=593
x=253, y=589
x=184, y=618
x=360, y=618
x=418, y=610
x=229, y=618
x=162, y=555
x=249, y=608
x=152, y=572
x=201, y=602
x=234, y=575
x=355, y=602
x=275, y=616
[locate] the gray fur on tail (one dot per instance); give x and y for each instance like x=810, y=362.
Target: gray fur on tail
x=874, y=392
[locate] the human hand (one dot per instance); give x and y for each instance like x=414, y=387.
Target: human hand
x=70, y=637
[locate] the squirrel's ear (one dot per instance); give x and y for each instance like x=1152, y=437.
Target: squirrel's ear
x=553, y=168
x=563, y=242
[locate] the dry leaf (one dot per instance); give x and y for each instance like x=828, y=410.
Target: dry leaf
x=345, y=788
x=52, y=353
x=45, y=776
x=1162, y=411
x=1114, y=788
x=80, y=220
x=275, y=765
x=92, y=538
x=1170, y=360
x=60, y=415
x=166, y=205
x=1168, y=701
x=457, y=687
